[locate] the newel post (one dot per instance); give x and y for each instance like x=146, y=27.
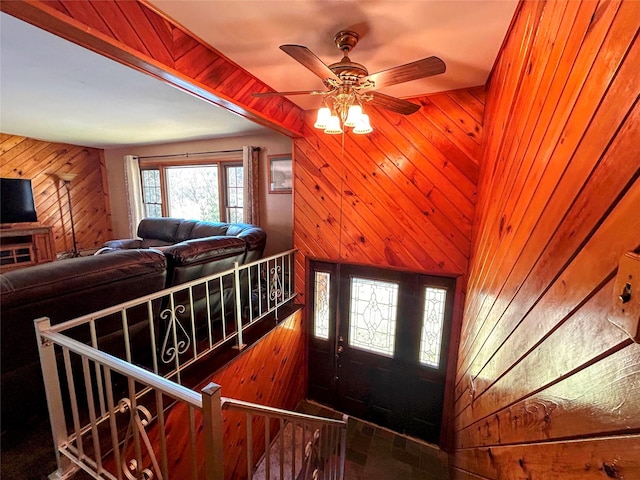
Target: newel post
x=54, y=397
x=212, y=418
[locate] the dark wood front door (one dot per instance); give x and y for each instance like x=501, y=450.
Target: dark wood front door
x=378, y=345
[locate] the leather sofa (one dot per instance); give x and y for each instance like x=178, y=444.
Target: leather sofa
x=169, y=252
x=63, y=290
x=195, y=249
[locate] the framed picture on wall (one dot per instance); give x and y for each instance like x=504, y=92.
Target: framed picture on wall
x=280, y=174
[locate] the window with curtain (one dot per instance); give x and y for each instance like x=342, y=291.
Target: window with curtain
x=207, y=190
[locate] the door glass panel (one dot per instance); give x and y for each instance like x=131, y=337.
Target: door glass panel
x=432, y=325
x=372, y=320
x=321, y=305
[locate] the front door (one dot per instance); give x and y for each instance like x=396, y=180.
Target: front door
x=378, y=345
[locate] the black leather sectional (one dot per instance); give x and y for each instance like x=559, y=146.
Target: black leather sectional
x=169, y=252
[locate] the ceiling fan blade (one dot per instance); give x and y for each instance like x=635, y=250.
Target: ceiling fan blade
x=393, y=104
x=285, y=94
x=307, y=58
x=426, y=67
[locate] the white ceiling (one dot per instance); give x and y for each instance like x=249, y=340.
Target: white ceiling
x=53, y=90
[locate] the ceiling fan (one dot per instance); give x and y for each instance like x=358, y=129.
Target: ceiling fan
x=349, y=83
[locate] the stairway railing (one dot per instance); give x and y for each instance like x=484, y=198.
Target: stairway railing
x=117, y=420
x=296, y=446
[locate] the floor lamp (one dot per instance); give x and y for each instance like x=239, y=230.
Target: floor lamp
x=66, y=179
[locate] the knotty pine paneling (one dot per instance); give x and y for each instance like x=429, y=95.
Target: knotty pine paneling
x=402, y=196
x=539, y=362
x=135, y=34
x=39, y=161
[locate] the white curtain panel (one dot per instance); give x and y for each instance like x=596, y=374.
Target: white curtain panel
x=250, y=157
x=133, y=184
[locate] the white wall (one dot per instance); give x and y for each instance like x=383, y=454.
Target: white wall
x=276, y=210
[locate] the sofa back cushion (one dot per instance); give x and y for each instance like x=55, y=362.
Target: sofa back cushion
x=185, y=230
x=163, y=229
x=209, y=229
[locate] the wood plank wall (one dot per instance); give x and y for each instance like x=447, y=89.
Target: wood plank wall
x=39, y=161
x=401, y=197
x=546, y=386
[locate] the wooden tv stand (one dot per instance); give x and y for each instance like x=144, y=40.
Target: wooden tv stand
x=25, y=245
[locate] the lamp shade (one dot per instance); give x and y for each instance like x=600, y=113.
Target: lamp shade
x=324, y=114
x=66, y=177
x=333, y=126
x=363, y=125
x=353, y=116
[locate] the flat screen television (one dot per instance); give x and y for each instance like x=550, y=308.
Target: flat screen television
x=16, y=201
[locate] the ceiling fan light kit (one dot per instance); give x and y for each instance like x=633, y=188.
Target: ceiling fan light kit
x=349, y=85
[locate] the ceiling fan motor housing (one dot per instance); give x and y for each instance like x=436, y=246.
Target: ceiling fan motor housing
x=347, y=70
x=346, y=40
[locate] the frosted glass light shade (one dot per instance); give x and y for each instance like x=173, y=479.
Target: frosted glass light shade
x=324, y=114
x=353, y=116
x=363, y=125
x=333, y=126
x=66, y=177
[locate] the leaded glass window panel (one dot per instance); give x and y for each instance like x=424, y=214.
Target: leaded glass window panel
x=372, y=317
x=234, y=199
x=321, y=305
x=432, y=326
x=151, y=193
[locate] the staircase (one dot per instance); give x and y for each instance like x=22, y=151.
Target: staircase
x=308, y=458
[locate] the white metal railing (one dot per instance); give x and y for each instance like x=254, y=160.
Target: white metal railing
x=113, y=381
x=292, y=445
x=169, y=330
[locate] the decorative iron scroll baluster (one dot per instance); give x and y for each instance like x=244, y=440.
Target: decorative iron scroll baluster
x=168, y=354
x=140, y=418
x=275, y=287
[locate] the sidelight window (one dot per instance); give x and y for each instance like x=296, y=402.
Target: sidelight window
x=432, y=326
x=321, y=310
x=234, y=193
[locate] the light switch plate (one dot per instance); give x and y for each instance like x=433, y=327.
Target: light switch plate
x=626, y=315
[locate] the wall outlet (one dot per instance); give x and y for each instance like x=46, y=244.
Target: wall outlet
x=626, y=296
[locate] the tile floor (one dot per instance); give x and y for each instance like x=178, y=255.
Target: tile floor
x=375, y=453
